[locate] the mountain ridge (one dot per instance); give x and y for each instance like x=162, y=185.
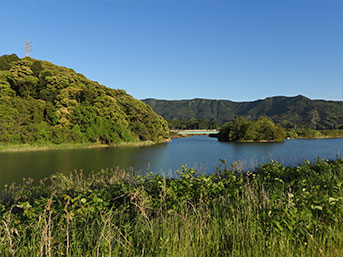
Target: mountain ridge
x=288, y=111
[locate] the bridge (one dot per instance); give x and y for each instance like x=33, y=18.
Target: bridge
x=195, y=131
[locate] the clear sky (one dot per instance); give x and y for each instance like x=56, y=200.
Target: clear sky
x=182, y=49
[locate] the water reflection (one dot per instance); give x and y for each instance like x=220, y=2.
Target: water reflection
x=200, y=151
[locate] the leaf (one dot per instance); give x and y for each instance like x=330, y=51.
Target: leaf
x=332, y=199
x=317, y=207
x=278, y=225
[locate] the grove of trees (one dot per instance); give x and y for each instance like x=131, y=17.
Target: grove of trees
x=44, y=103
x=240, y=129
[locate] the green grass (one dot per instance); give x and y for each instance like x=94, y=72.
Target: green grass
x=274, y=211
x=45, y=147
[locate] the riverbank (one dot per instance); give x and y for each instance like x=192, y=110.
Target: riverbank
x=245, y=141
x=314, y=134
x=316, y=137
x=257, y=141
x=46, y=147
x=273, y=211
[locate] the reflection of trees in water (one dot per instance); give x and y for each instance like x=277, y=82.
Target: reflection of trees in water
x=201, y=151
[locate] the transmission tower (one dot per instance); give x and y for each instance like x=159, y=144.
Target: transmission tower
x=28, y=47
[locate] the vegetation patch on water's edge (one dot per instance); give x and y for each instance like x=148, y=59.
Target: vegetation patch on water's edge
x=273, y=211
x=314, y=134
x=45, y=147
x=242, y=130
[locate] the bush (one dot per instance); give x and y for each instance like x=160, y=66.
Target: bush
x=273, y=211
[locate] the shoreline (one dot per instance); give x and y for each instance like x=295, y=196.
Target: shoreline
x=277, y=141
x=65, y=146
x=253, y=141
x=317, y=137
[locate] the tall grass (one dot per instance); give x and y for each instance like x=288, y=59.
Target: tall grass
x=275, y=211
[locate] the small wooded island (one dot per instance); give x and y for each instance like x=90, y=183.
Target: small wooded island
x=42, y=103
x=242, y=130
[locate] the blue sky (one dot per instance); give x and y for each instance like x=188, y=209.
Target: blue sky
x=239, y=50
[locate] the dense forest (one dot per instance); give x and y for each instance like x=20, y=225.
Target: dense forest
x=44, y=103
x=290, y=112
x=240, y=130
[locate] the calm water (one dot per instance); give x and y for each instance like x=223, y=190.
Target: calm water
x=199, y=151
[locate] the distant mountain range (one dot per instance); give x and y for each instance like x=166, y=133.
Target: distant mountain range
x=298, y=111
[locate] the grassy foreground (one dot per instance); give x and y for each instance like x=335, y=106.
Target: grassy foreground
x=275, y=211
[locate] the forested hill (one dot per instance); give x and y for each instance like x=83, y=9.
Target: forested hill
x=44, y=103
x=288, y=111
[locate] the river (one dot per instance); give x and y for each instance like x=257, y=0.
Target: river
x=201, y=152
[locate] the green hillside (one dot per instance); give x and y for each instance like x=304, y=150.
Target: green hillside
x=297, y=111
x=44, y=103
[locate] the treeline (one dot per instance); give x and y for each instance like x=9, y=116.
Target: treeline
x=44, y=103
x=313, y=133
x=240, y=129
x=192, y=124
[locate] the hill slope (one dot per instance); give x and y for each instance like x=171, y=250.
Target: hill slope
x=288, y=111
x=41, y=102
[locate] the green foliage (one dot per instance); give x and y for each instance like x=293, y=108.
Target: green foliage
x=273, y=211
x=240, y=129
x=6, y=60
x=289, y=112
x=312, y=133
x=44, y=103
x=308, y=133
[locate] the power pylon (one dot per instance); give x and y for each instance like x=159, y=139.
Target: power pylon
x=28, y=47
